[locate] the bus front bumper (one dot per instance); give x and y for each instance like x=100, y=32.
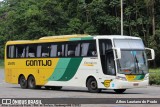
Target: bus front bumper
x=120, y=84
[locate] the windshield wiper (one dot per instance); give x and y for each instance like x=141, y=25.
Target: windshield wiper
x=136, y=68
x=143, y=72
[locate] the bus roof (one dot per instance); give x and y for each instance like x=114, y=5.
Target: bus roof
x=115, y=37
x=65, y=36
x=71, y=38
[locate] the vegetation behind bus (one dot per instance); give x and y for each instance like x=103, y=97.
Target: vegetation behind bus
x=30, y=19
x=154, y=78
x=1, y=63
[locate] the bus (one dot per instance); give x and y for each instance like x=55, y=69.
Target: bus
x=96, y=62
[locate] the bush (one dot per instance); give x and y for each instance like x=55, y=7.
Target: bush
x=154, y=77
x=1, y=63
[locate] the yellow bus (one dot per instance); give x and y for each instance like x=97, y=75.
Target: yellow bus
x=96, y=62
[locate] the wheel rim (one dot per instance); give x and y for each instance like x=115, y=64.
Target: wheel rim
x=93, y=85
x=32, y=82
x=23, y=81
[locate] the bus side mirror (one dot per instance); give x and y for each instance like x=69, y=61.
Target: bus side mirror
x=118, y=53
x=152, y=54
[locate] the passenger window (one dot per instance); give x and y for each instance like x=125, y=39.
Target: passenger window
x=31, y=51
x=92, y=51
x=39, y=49
x=53, y=52
x=46, y=50
x=72, y=49
x=10, y=52
x=60, y=50
x=84, y=48
x=20, y=51
x=89, y=49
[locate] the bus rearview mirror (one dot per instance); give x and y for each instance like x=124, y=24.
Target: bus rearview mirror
x=152, y=53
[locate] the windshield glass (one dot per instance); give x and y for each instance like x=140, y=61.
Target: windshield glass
x=133, y=62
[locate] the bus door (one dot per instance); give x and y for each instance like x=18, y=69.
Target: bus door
x=109, y=62
x=107, y=57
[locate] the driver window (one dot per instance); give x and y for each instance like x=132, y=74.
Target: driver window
x=110, y=63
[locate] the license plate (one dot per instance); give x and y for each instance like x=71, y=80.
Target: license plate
x=135, y=84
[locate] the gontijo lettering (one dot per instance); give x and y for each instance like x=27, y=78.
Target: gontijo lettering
x=38, y=63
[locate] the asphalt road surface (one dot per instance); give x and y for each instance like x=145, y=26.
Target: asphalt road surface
x=14, y=91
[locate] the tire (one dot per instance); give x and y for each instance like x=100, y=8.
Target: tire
x=23, y=82
x=92, y=86
x=32, y=83
x=119, y=91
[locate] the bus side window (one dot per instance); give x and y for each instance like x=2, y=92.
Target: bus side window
x=77, y=50
x=89, y=49
x=84, y=48
x=53, y=52
x=10, y=52
x=46, y=50
x=23, y=53
x=31, y=51
x=92, y=51
x=39, y=49
x=60, y=50
x=19, y=51
x=72, y=49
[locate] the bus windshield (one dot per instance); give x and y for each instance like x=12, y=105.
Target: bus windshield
x=133, y=62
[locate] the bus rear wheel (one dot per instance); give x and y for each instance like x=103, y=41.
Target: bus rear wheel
x=92, y=86
x=119, y=91
x=32, y=83
x=23, y=82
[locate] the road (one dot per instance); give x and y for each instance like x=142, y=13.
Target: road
x=14, y=91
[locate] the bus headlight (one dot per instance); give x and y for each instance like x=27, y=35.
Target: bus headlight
x=121, y=78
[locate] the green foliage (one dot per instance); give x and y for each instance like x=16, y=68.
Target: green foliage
x=32, y=19
x=1, y=63
x=154, y=78
x=74, y=25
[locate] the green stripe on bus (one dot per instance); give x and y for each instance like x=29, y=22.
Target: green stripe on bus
x=74, y=39
x=82, y=38
x=139, y=77
x=60, y=69
x=87, y=38
x=71, y=69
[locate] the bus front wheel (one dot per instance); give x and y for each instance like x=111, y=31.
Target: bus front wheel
x=92, y=86
x=23, y=82
x=119, y=91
